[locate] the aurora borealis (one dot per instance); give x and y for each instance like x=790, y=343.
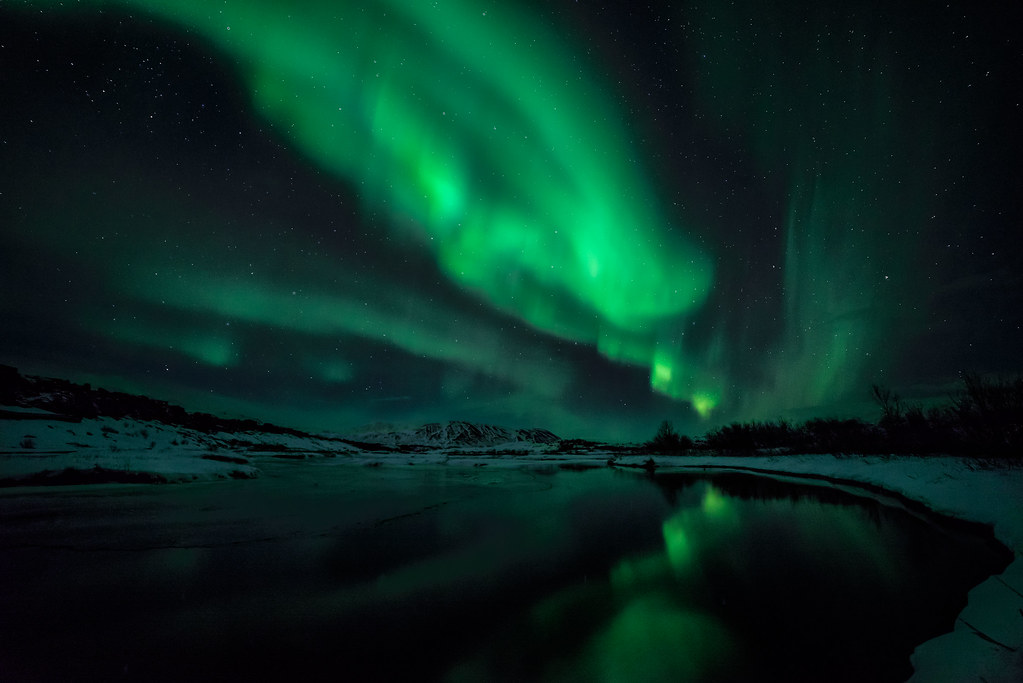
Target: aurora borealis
x=325, y=214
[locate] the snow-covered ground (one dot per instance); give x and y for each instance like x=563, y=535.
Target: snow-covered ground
x=37, y=443
x=986, y=645
x=463, y=436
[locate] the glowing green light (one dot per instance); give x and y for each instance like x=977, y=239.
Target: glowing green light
x=661, y=376
x=664, y=377
x=213, y=348
x=321, y=314
x=335, y=371
x=677, y=543
x=552, y=193
x=651, y=640
x=704, y=403
x=635, y=572
x=482, y=139
x=491, y=141
x=850, y=188
x=667, y=378
x=624, y=347
x=714, y=504
x=692, y=529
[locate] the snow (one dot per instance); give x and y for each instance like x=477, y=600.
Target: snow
x=963, y=489
x=31, y=447
x=27, y=412
x=463, y=436
x=958, y=488
x=986, y=644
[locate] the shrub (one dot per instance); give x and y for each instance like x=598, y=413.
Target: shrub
x=667, y=440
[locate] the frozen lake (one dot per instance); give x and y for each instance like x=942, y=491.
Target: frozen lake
x=438, y=572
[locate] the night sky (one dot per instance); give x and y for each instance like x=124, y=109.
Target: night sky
x=551, y=213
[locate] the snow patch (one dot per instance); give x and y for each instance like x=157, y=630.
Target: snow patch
x=48, y=449
x=457, y=434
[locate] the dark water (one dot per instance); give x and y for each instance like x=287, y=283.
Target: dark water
x=328, y=571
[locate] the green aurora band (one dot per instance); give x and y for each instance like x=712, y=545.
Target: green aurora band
x=483, y=140
x=495, y=143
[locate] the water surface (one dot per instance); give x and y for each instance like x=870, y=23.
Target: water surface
x=470, y=573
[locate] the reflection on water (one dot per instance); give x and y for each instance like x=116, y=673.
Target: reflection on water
x=755, y=580
x=461, y=574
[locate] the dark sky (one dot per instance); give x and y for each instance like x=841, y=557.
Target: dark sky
x=551, y=214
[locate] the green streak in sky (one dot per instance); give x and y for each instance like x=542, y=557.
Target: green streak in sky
x=819, y=98
x=215, y=349
x=484, y=138
x=475, y=348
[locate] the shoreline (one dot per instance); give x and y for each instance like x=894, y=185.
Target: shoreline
x=986, y=642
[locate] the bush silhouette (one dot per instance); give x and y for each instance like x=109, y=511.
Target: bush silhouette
x=667, y=440
x=984, y=419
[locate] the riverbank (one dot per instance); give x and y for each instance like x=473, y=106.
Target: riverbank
x=987, y=643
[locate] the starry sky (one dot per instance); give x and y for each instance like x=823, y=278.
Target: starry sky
x=546, y=213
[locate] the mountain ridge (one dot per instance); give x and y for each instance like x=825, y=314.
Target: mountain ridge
x=460, y=433
x=28, y=397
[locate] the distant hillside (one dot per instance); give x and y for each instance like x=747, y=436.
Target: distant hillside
x=457, y=434
x=24, y=397
x=75, y=402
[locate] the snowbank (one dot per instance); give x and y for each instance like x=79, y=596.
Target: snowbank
x=41, y=448
x=987, y=643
